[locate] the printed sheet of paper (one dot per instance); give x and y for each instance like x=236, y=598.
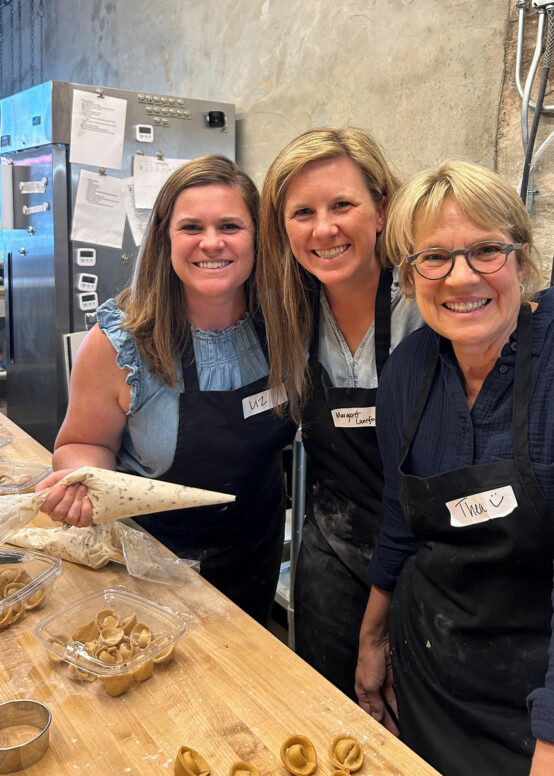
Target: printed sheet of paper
x=99, y=215
x=97, y=130
x=137, y=217
x=150, y=175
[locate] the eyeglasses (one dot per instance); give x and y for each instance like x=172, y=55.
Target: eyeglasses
x=483, y=257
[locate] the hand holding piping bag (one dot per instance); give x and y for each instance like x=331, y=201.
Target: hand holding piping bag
x=113, y=496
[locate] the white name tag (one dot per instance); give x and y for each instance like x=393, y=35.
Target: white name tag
x=353, y=417
x=482, y=506
x=266, y=400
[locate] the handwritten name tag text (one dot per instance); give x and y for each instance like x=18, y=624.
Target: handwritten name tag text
x=482, y=506
x=354, y=417
x=261, y=402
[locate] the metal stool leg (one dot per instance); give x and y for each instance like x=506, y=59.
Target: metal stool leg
x=298, y=511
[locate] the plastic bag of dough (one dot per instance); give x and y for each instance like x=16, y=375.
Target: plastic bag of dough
x=97, y=545
x=94, y=546
x=114, y=495
x=144, y=559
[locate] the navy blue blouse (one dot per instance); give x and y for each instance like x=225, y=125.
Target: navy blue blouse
x=450, y=436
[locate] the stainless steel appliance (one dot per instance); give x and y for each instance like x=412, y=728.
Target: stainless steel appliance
x=45, y=272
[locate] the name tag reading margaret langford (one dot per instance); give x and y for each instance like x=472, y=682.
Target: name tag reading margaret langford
x=354, y=417
x=482, y=506
x=266, y=400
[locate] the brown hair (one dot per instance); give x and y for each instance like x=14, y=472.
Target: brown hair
x=284, y=287
x=154, y=304
x=485, y=198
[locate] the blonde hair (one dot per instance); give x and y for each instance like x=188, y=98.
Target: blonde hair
x=154, y=304
x=285, y=289
x=485, y=198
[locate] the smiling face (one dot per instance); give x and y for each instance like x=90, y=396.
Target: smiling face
x=332, y=222
x=212, y=244
x=476, y=312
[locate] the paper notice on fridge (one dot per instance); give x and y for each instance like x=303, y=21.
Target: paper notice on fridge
x=137, y=217
x=97, y=130
x=150, y=175
x=99, y=215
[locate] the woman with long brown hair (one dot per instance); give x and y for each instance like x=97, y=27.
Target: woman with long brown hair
x=326, y=288
x=165, y=386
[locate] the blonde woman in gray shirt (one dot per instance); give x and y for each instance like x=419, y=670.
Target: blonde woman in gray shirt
x=324, y=282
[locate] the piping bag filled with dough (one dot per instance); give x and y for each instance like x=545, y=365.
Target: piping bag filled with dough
x=114, y=496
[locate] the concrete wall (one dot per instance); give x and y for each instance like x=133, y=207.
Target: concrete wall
x=430, y=78
x=415, y=73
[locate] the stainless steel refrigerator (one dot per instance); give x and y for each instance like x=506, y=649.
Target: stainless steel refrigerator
x=51, y=282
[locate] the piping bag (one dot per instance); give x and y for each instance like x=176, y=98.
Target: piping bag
x=114, y=496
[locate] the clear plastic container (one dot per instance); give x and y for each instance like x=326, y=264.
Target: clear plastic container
x=25, y=576
x=81, y=636
x=17, y=476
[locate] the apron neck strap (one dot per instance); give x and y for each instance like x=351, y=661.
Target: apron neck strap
x=314, y=342
x=522, y=380
x=188, y=365
x=421, y=400
x=259, y=325
x=382, y=320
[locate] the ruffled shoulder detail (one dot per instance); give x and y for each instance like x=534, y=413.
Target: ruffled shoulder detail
x=110, y=320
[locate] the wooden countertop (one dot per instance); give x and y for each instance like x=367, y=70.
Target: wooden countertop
x=233, y=691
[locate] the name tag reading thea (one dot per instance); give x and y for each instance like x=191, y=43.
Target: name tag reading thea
x=354, y=417
x=482, y=506
x=266, y=400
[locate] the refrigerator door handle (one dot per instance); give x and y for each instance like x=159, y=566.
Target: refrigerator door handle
x=6, y=183
x=9, y=308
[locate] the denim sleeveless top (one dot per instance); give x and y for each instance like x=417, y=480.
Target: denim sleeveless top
x=225, y=360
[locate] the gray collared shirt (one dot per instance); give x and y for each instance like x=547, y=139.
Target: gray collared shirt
x=359, y=370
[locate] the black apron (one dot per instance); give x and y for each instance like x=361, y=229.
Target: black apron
x=470, y=617
x=343, y=513
x=239, y=545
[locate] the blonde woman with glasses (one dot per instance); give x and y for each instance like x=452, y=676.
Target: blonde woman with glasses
x=462, y=575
